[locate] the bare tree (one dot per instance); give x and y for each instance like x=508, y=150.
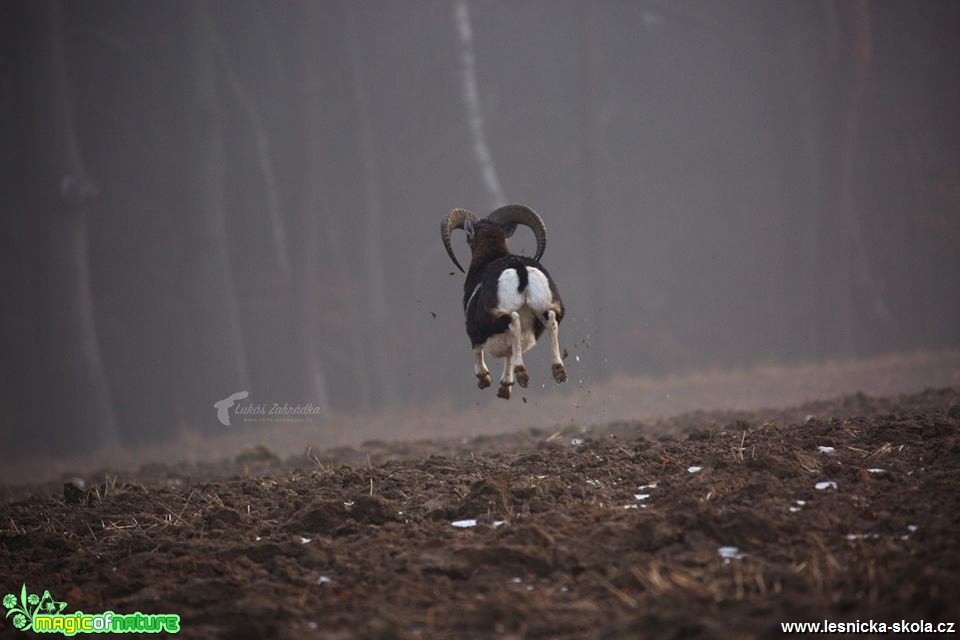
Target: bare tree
x=380, y=356
x=590, y=206
x=318, y=221
x=306, y=302
x=261, y=136
x=470, y=90
x=792, y=79
x=220, y=356
x=296, y=362
x=844, y=272
x=72, y=392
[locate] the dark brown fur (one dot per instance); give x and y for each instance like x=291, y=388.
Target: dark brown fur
x=489, y=243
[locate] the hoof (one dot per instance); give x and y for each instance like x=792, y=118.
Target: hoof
x=504, y=390
x=483, y=380
x=520, y=372
x=559, y=373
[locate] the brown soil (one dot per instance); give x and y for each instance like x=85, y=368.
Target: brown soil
x=577, y=403
x=358, y=542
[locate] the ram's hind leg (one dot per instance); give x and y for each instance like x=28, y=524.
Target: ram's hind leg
x=506, y=380
x=559, y=372
x=480, y=368
x=516, y=335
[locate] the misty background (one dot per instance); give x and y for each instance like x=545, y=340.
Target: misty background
x=208, y=197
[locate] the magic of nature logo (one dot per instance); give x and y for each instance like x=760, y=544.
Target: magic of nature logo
x=44, y=614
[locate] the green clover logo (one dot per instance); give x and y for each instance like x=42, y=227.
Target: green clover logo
x=49, y=605
x=25, y=609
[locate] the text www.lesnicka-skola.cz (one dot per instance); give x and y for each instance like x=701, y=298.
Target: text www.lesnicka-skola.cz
x=868, y=626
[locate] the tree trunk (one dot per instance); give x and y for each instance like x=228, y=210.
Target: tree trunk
x=792, y=79
x=843, y=271
x=218, y=360
x=380, y=356
x=73, y=405
x=473, y=106
x=593, y=313
x=314, y=205
x=261, y=137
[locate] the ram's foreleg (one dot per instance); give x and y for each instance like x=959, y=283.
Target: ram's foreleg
x=559, y=372
x=480, y=368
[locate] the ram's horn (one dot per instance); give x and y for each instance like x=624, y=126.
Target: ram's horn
x=511, y=215
x=454, y=220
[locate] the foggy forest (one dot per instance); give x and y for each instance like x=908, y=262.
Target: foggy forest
x=219, y=206
x=208, y=197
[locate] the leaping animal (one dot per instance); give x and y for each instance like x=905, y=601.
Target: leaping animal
x=508, y=300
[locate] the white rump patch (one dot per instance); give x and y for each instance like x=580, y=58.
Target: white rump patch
x=536, y=296
x=532, y=302
x=538, y=291
x=508, y=298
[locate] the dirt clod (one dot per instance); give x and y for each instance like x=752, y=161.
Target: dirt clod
x=224, y=518
x=323, y=516
x=485, y=497
x=373, y=510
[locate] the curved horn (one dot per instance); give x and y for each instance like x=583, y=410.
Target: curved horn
x=513, y=214
x=454, y=220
